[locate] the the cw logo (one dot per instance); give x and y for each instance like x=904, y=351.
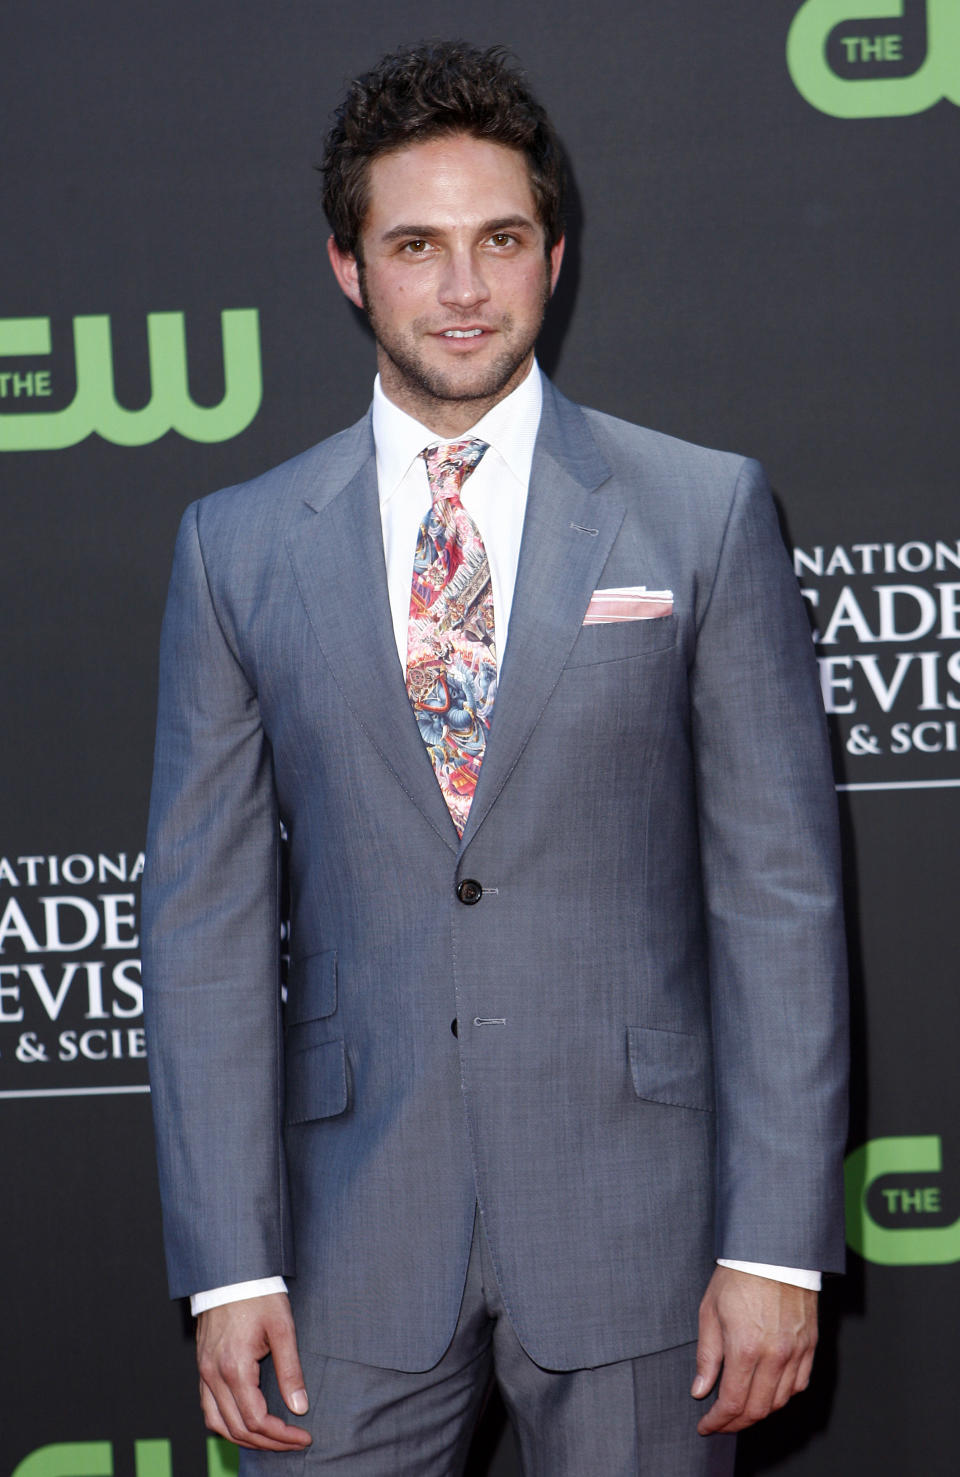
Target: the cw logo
x=911, y=1245
x=94, y=406
x=874, y=59
x=95, y=1459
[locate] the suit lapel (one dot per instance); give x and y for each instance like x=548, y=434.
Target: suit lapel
x=567, y=537
x=338, y=560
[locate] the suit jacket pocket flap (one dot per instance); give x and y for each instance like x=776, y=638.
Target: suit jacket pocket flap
x=670, y=1067
x=312, y=987
x=316, y=1082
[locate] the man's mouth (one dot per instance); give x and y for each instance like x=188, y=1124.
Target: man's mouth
x=461, y=333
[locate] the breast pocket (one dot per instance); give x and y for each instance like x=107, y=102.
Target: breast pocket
x=617, y=641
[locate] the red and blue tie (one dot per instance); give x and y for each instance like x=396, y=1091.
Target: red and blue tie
x=451, y=650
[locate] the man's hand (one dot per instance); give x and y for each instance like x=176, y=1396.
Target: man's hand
x=762, y=1334
x=231, y=1341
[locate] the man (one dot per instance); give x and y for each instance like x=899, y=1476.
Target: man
x=531, y=691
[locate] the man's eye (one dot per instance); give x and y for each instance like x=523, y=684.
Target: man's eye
x=417, y=248
x=501, y=238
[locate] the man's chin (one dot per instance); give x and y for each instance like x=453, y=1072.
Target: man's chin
x=462, y=383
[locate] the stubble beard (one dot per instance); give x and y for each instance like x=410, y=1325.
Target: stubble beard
x=425, y=383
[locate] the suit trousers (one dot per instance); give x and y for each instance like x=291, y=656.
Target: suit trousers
x=634, y=1418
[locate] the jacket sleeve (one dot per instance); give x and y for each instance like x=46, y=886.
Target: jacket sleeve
x=211, y=951
x=771, y=879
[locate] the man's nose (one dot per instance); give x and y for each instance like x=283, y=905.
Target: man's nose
x=462, y=283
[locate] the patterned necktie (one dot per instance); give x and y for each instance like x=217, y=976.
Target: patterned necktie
x=451, y=652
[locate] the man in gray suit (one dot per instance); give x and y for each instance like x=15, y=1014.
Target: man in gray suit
x=531, y=691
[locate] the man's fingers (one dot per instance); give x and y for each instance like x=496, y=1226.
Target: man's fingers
x=787, y=1386
x=805, y=1369
x=806, y=1358
x=760, y=1385
x=211, y=1413
x=768, y=1386
x=259, y=1426
x=220, y=1412
x=767, y=1335
x=231, y=1341
x=794, y=1380
x=250, y=1425
x=732, y=1399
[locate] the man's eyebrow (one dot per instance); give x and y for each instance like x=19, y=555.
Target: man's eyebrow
x=507, y=223
x=487, y=228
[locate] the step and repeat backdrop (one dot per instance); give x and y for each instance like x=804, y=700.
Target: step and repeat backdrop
x=763, y=256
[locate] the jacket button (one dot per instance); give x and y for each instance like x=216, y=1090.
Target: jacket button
x=469, y=891
x=454, y=1027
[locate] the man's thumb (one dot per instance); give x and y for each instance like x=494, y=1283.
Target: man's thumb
x=286, y=1367
x=709, y=1358
x=297, y=1399
x=292, y=1390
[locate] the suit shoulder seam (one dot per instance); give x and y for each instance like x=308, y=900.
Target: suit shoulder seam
x=210, y=596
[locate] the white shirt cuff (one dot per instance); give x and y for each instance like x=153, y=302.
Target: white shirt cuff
x=796, y=1276
x=235, y=1292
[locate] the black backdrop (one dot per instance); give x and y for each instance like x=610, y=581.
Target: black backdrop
x=763, y=257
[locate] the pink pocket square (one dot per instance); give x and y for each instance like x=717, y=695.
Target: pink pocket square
x=628, y=603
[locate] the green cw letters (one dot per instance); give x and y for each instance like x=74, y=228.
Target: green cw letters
x=95, y=1459
x=938, y=75
x=94, y=406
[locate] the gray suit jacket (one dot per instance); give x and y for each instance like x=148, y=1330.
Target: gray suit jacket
x=658, y=942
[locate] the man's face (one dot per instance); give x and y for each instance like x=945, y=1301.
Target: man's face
x=455, y=279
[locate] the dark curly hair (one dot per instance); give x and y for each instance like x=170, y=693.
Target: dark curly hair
x=426, y=92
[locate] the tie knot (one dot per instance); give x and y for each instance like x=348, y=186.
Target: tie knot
x=450, y=464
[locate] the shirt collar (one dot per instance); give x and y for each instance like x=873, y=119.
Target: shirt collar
x=510, y=428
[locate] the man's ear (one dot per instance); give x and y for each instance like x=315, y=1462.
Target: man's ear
x=556, y=257
x=345, y=269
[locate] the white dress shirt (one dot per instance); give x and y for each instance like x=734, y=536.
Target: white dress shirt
x=495, y=496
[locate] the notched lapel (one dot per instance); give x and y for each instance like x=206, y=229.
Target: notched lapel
x=568, y=533
x=338, y=561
